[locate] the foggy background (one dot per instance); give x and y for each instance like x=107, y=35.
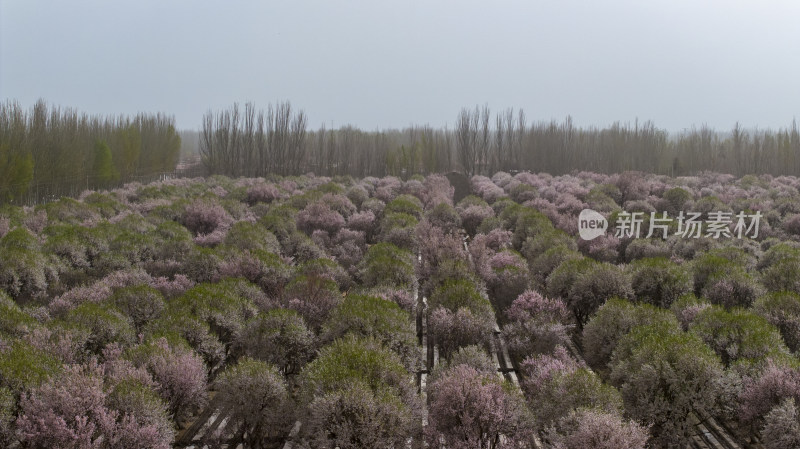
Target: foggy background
x=392, y=64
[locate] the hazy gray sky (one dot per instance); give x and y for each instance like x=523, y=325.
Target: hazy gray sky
x=380, y=64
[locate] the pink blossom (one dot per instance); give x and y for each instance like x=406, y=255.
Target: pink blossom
x=5, y=226
x=172, y=288
x=203, y=217
x=596, y=429
x=469, y=406
x=766, y=391
x=532, y=305
x=319, y=215
x=362, y=221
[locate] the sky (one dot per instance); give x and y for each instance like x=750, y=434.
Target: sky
x=389, y=64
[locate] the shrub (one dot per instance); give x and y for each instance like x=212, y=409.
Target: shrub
x=252, y=236
x=69, y=210
x=496, y=240
x=739, y=337
x=173, y=241
x=221, y=306
x=326, y=268
x=686, y=309
x=596, y=429
x=783, y=275
x=202, y=217
x=437, y=190
x=339, y=203
x=455, y=329
x=763, y=392
x=447, y=270
x=373, y=205
x=733, y=288
x=486, y=189
x=532, y=305
x=590, y=284
x=561, y=279
x=792, y=224
x=8, y=405
x=303, y=248
x=659, y=281
x=313, y=297
x=457, y=293
x=171, y=288
x=444, y=216
x=542, y=265
x=131, y=249
x=402, y=297
x=201, y=265
x=473, y=356
x=262, y=193
x=676, y=198
x=473, y=211
x=404, y=204
x=348, y=247
x=13, y=321
x=534, y=247
x=140, y=303
x=523, y=192
x=142, y=419
x=355, y=416
x=23, y=366
x=528, y=224
x=368, y=316
x=280, y=221
x=489, y=224
x=777, y=252
x=612, y=322
x=69, y=243
x=436, y=247
x=665, y=374
x=280, y=338
x=105, y=323
x=353, y=359
x=535, y=325
x=649, y=248
x=70, y=411
x=557, y=385
x=178, y=371
x=782, y=427
x=782, y=310
x=707, y=266
x=399, y=229
x=362, y=221
x=265, y=269
x=25, y=273
x=507, y=279
x=385, y=264
x=469, y=406
x=257, y=396
x=319, y=215
x=459, y=316
x=357, y=194
x=176, y=324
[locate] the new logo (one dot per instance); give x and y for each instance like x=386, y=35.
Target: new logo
x=591, y=224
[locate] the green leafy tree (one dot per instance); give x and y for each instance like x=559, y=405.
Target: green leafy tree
x=16, y=172
x=129, y=143
x=103, y=170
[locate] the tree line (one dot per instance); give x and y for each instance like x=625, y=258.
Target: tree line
x=49, y=151
x=248, y=142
